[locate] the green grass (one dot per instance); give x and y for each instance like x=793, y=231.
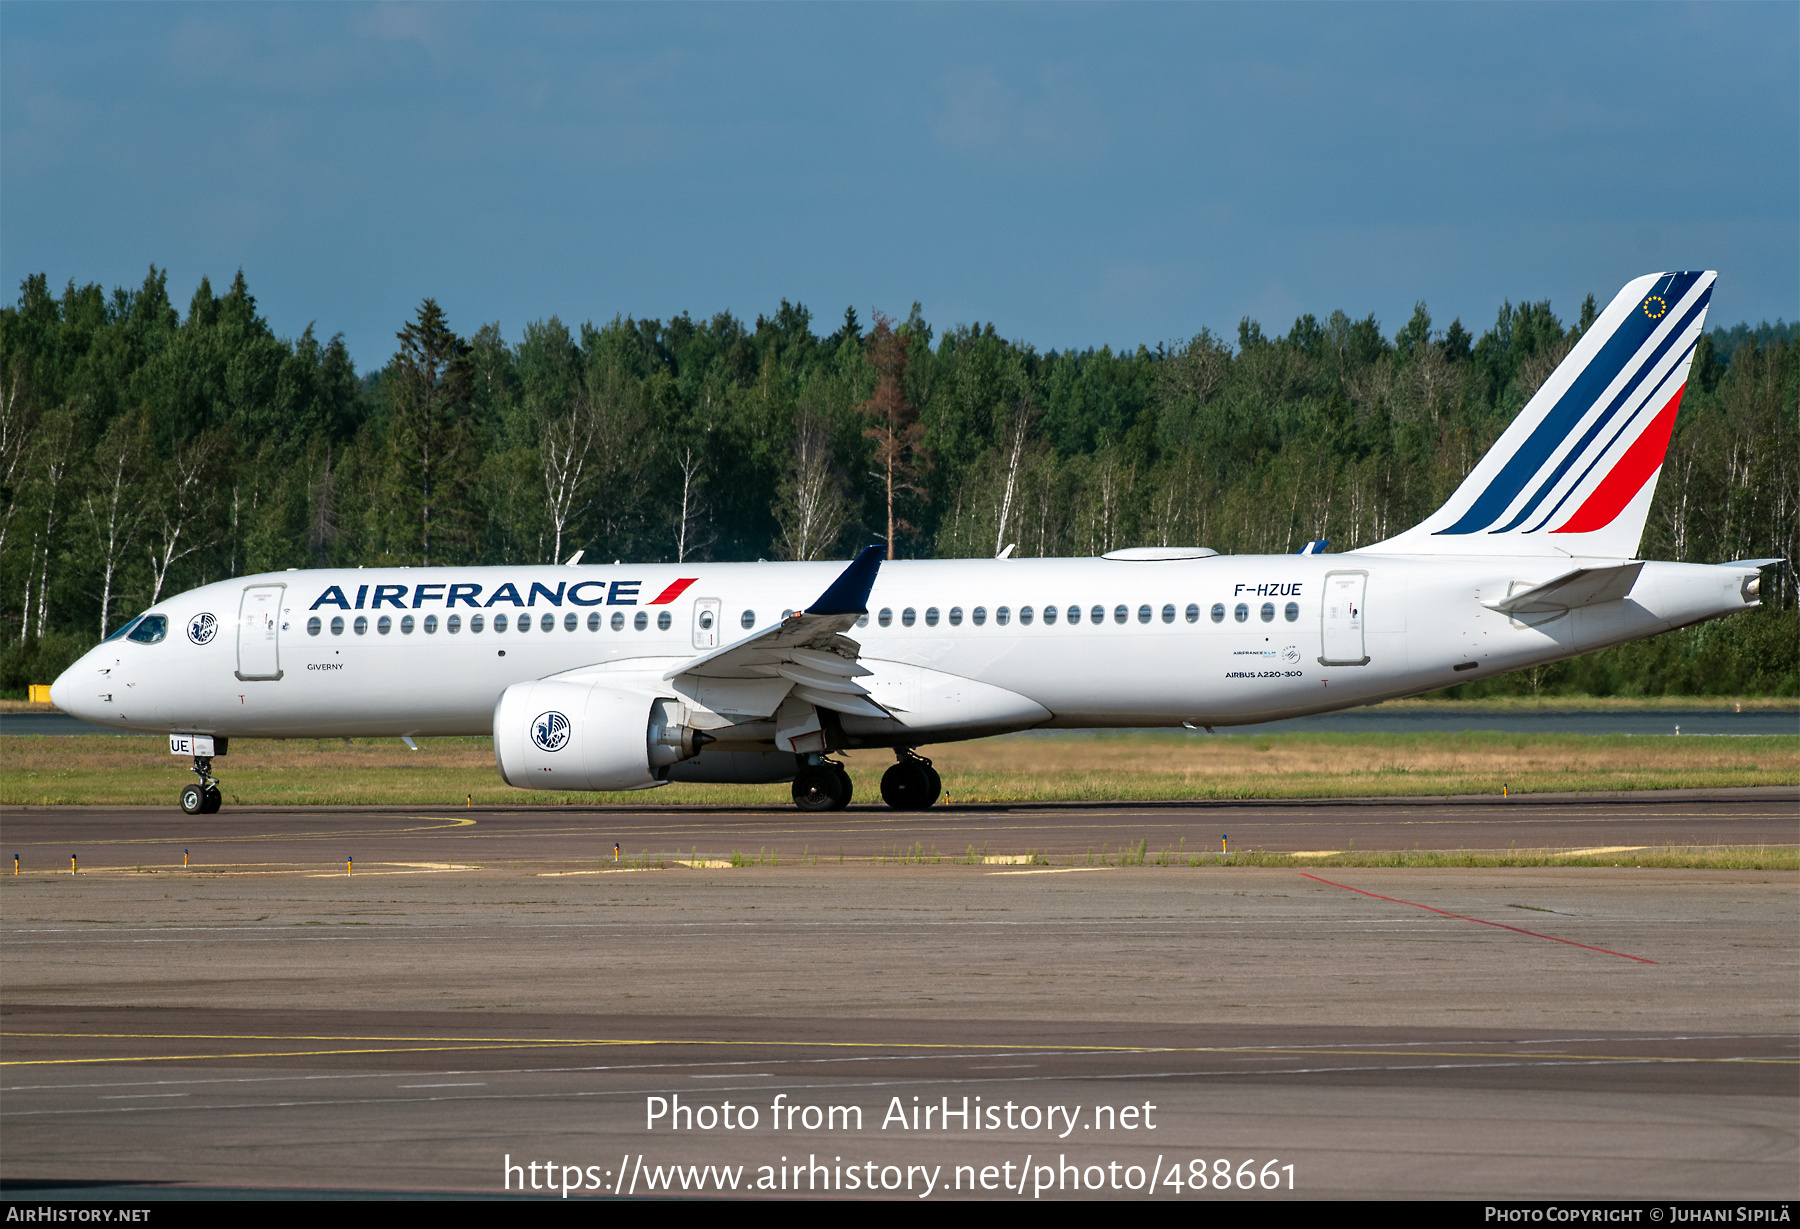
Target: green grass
x=1122, y=766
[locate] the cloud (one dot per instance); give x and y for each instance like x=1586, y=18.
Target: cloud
x=1055, y=115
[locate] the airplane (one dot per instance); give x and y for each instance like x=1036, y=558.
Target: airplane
x=627, y=677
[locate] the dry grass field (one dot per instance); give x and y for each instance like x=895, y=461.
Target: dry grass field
x=104, y=769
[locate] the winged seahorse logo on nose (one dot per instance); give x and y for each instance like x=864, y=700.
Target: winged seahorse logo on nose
x=550, y=731
x=202, y=628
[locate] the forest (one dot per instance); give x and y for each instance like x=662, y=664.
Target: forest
x=144, y=451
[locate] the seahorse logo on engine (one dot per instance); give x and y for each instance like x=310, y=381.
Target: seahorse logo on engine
x=550, y=731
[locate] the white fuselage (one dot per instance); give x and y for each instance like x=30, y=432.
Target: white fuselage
x=1170, y=646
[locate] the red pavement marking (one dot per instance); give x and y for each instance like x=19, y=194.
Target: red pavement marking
x=1502, y=925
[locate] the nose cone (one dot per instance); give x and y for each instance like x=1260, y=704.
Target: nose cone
x=68, y=694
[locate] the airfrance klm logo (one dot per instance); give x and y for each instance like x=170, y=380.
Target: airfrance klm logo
x=584, y=593
x=1605, y=437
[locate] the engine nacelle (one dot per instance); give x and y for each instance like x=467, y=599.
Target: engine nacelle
x=560, y=735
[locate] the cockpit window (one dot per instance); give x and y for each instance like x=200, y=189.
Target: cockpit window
x=123, y=631
x=150, y=629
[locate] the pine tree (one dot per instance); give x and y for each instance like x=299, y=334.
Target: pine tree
x=430, y=384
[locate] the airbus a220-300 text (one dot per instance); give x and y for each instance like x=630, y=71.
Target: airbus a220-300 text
x=625, y=677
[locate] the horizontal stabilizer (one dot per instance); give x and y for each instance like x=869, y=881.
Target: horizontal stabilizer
x=1572, y=590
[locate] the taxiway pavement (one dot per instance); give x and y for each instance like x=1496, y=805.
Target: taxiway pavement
x=495, y=990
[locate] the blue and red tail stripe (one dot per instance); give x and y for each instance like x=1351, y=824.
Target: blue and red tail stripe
x=1629, y=347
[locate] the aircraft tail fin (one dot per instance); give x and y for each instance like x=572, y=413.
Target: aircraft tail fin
x=1575, y=472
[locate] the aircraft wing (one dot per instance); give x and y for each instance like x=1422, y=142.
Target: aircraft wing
x=808, y=648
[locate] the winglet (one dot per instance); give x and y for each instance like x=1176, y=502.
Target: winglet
x=849, y=593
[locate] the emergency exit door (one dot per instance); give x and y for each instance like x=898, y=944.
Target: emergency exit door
x=706, y=623
x=1343, y=620
x=259, y=632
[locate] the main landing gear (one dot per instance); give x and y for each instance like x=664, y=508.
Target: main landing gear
x=912, y=784
x=821, y=785
x=203, y=797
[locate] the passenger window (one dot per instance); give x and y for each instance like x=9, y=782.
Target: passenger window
x=1292, y=612
x=955, y=616
x=1120, y=614
x=886, y=617
x=570, y=622
x=593, y=620
x=314, y=626
x=1241, y=613
x=430, y=625
x=452, y=625
x=1193, y=613
x=406, y=625
x=862, y=620
x=748, y=620
x=384, y=624
x=499, y=621
x=1143, y=614
x=1002, y=616
x=1268, y=612
x=547, y=623
x=641, y=620
x=931, y=616
x=337, y=628
x=1168, y=614
x=524, y=623
x=476, y=623
x=1097, y=615
x=1049, y=615
x=1074, y=615
x=907, y=617
x=1024, y=616
x=663, y=620
x=1218, y=612
x=980, y=615
x=618, y=620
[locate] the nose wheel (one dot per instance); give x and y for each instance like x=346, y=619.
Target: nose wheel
x=912, y=784
x=202, y=797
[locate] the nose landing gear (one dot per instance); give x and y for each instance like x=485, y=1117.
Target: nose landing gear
x=203, y=797
x=912, y=784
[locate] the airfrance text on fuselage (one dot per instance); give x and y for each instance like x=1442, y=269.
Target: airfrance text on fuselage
x=583, y=593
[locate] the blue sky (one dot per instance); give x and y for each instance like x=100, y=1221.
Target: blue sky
x=1077, y=174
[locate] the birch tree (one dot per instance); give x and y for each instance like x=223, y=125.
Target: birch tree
x=114, y=513
x=52, y=454
x=183, y=517
x=812, y=505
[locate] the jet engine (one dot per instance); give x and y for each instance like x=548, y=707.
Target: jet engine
x=562, y=735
